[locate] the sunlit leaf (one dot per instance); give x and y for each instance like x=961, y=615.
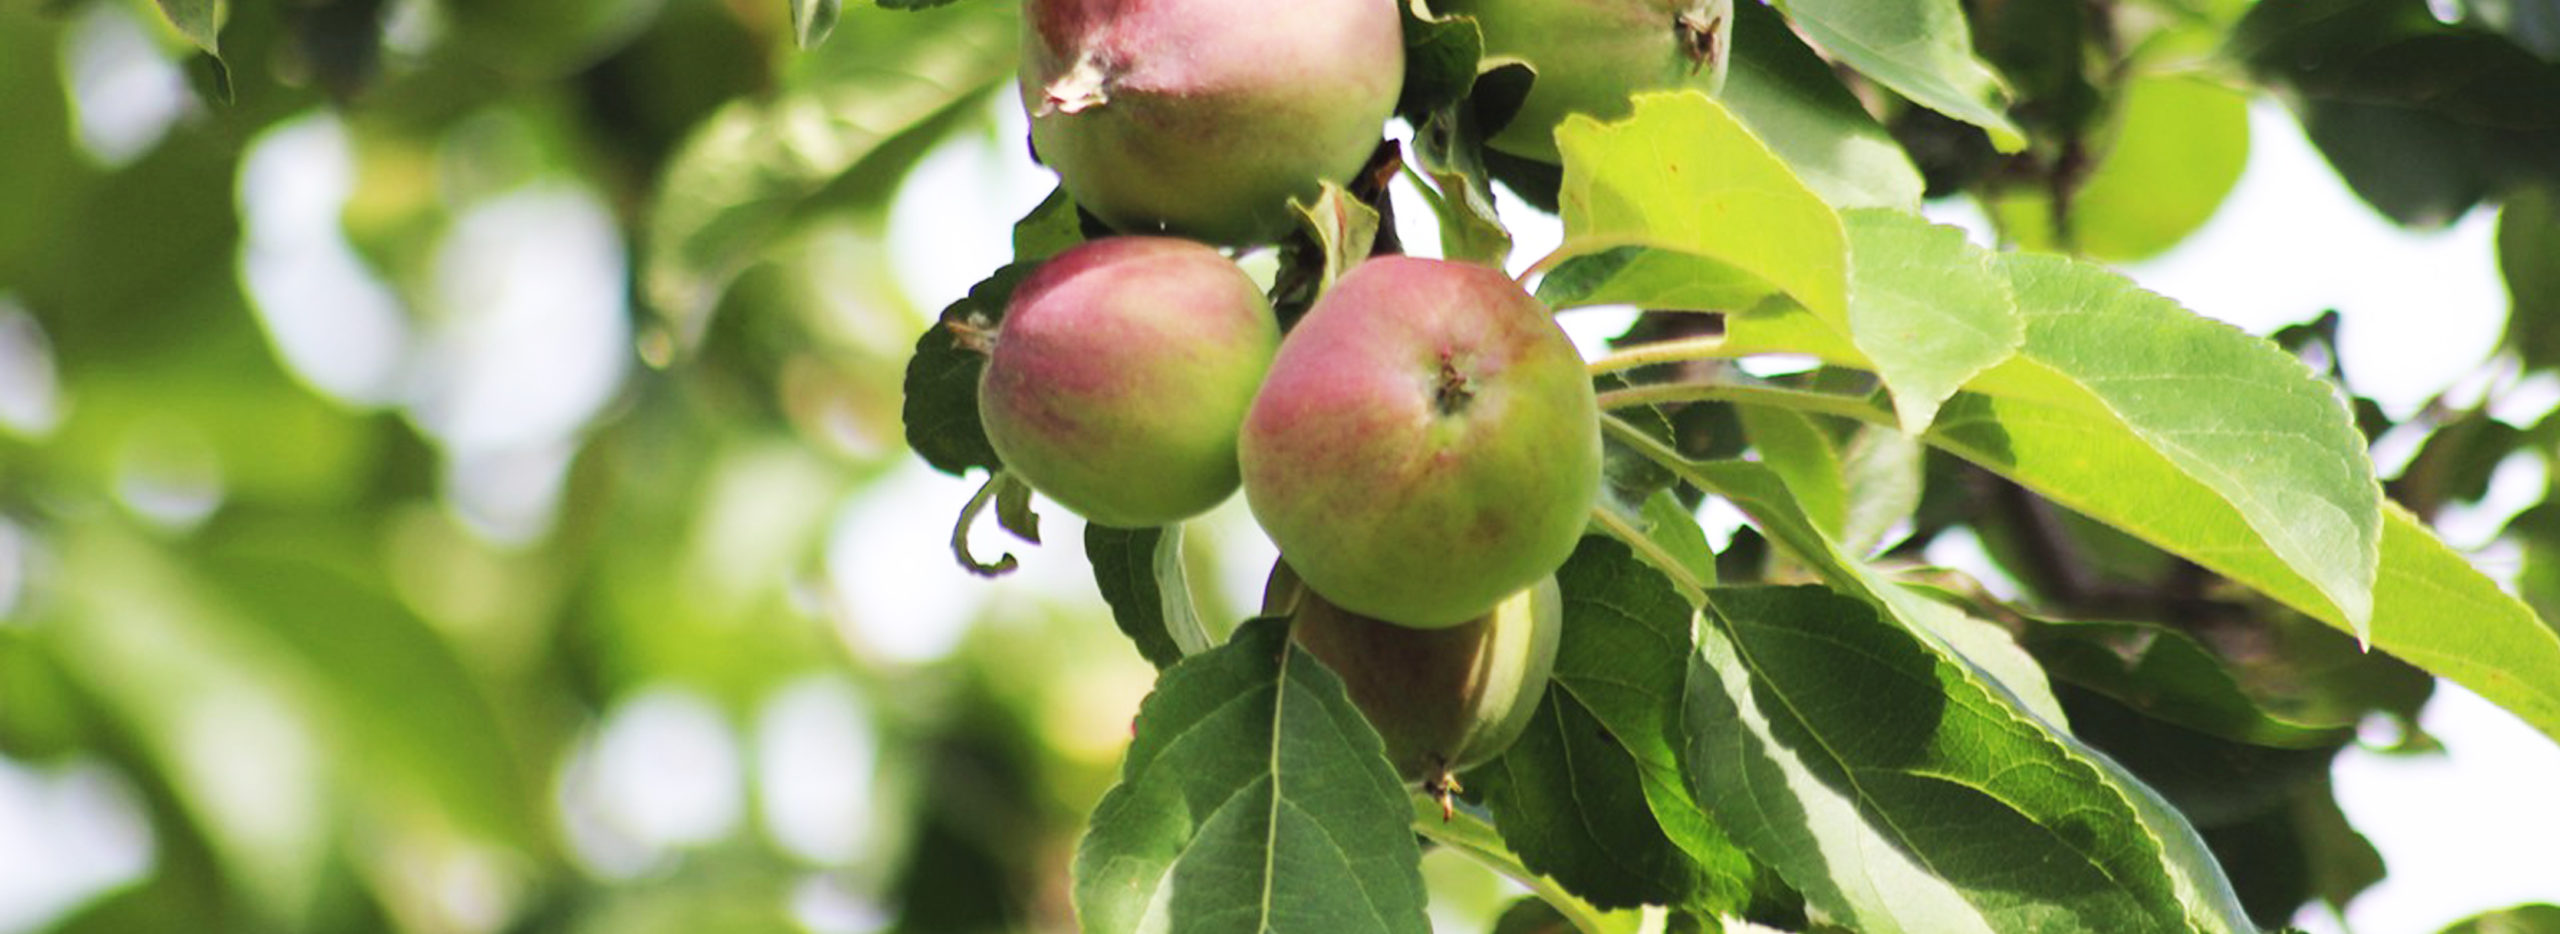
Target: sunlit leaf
x=1792, y=100
x=2188, y=433
x=1256, y=798
x=1929, y=308
x=1724, y=220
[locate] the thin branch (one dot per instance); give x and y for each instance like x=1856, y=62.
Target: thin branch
x=1465, y=833
x=1655, y=353
x=1816, y=403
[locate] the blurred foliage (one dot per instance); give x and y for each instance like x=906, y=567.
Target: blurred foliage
x=379, y=627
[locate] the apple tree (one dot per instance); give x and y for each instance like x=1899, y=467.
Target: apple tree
x=478, y=466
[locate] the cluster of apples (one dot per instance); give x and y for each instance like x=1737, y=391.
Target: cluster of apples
x=1423, y=445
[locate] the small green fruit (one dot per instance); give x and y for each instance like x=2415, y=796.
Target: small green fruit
x=1202, y=118
x=1592, y=55
x=1427, y=442
x=1120, y=374
x=1444, y=700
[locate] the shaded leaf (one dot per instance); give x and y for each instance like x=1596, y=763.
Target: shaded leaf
x=2528, y=238
x=1255, y=798
x=1902, y=796
x=2423, y=119
x=1051, y=227
x=940, y=407
x=1624, y=658
x=1140, y=574
x=1922, y=49
x=1571, y=803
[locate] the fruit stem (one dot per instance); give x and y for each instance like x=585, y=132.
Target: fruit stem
x=1659, y=352
x=1469, y=834
x=1688, y=584
x=968, y=517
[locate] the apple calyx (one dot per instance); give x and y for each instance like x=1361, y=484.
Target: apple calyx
x=1084, y=86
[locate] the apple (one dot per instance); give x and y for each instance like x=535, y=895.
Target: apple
x=1120, y=374
x=1426, y=444
x=1592, y=55
x=1444, y=700
x=1202, y=118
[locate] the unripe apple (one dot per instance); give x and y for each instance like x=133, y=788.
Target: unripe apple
x=1444, y=700
x=1204, y=117
x=1592, y=55
x=1120, y=374
x=1427, y=442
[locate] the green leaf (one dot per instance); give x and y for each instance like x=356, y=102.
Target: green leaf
x=940, y=407
x=748, y=173
x=1440, y=61
x=1343, y=229
x=2190, y=434
x=1571, y=802
x=2264, y=436
x=1623, y=658
x=1930, y=309
x=2528, y=237
x=2422, y=119
x=2522, y=919
x=1448, y=147
x=1758, y=490
x=1255, y=798
x=811, y=20
x=1883, y=470
x=198, y=20
x=1675, y=529
x=1799, y=450
x=1922, y=49
x=2165, y=673
x=2175, y=151
x=1051, y=227
x=1140, y=574
x=1793, y=101
x=201, y=22
x=1901, y=795
x=1684, y=178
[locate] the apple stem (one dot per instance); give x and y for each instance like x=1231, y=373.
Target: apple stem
x=968, y=517
x=1697, y=39
x=1455, y=390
